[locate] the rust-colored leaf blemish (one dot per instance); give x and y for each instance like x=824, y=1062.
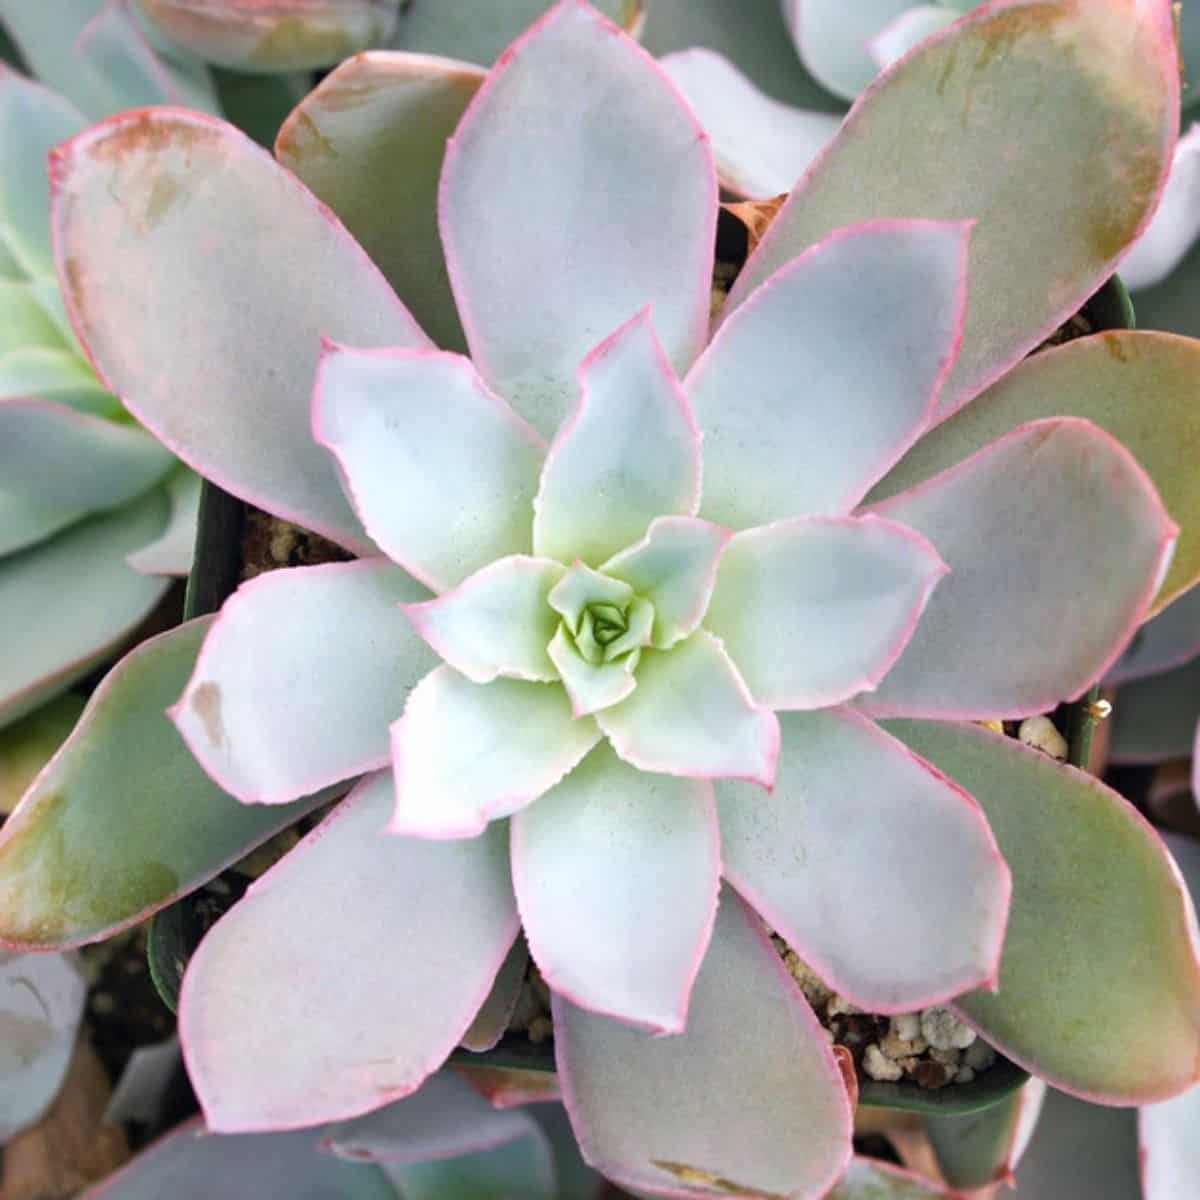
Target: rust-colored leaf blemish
x=712, y=1182
x=206, y=704
x=150, y=134
x=301, y=138
x=1115, y=345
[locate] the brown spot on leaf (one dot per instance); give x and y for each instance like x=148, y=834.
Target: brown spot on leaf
x=301, y=138
x=206, y=704
x=712, y=1182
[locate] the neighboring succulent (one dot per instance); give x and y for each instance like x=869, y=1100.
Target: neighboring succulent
x=577, y=211
x=763, y=147
x=41, y=1003
x=273, y=35
x=1156, y=718
x=94, y=513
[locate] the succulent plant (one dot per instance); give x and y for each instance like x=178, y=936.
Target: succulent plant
x=555, y=668
x=763, y=145
x=87, y=495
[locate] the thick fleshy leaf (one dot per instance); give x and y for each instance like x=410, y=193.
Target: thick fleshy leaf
x=817, y=609
x=907, y=30
x=674, y=567
x=228, y=393
x=1054, y=511
x=1176, y=224
x=466, y=753
x=747, y=1099
x=691, y=714
x=510, y=1087
x=299, y=678
x=633, y=858
x=614, y=209
x=54, y=373
x=752, y=35
x=800, y=413
x=441, y=470
x=444, y=1118
x=834, y=39
x=591, y=686
x=171, y=552
x=1139, y=387
x=61, y=465
x=629, y=452
x=976, y=1149
x=126, y=72
x=32, y=120
x=496, y=622
x=191, y=1164
x=576, y=1180
x=41, y=1002
x=73, y=600
x=1169, y=640
x=1091, y=1024
x=867, y=1179
x=761, y=146
x=1081, y=1151
x=28, y=744
x=848, y=905
x=369, y=141
x=252, y=36
x=479, y=33
x=270, y=1044
x=1051, y=124
x=522, y=1168
x=23, y=322
x=64, y=877
x=492, y=1020
x=1154, y=719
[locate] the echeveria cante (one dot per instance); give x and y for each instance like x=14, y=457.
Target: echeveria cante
x=655, y=596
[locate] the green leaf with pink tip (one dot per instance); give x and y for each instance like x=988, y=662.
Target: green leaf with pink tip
x=1056, y=542
x=41, y=1002
x=816, y=610
x=1051, y=124
x=467, y=753
x=74, y=600
x=1176, y=223
x=271, y=1043
x=1163, y=643
x=595, y=225
x=692, y=714
x=674, y=567
x=1137, y=386
x=747, y=1100
x=229, y=393
x=627, y=453
x=614, y=851
x=299, y=678
x=251, y=36
x=788, y=854
x=190, y=1163
x=498, y=621
x=369, y=141
x=65, y=878
x=440, y=469
x=1099, y=988
x=800, y=414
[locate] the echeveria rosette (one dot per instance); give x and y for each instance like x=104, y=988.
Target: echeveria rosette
x=302, y=680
